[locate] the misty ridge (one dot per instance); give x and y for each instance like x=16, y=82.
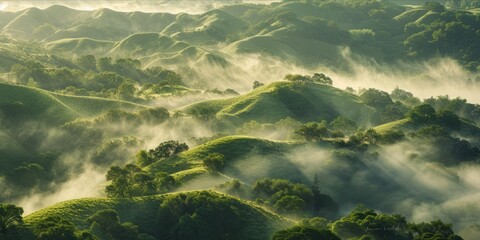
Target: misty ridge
x=293, y=119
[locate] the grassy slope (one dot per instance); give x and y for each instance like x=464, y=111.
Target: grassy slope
x=238, y=152
x=143, y=210
x=58, y=108
x=466, y=129
x=80, y=45
x=303, y=102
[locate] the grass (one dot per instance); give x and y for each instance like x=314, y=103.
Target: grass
x=80, y=45
x=278, y=100
x=58, y=108
x=395, y=125
x=244, y=156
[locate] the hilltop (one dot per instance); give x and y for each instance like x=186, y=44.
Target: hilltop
x=246, y=158
x=301, y=101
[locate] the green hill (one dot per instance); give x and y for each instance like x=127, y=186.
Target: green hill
x=303, y=102
x=81, y=46
x=465, y=129
x=54, y=108
x=144, y=44
x=269, y=157
x=212, y=212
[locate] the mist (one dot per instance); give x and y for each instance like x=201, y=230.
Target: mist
x=171, y=6
x=391, y=180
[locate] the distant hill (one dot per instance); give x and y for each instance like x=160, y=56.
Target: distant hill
x=43, y=105
x=303, y=102
x=81, y=46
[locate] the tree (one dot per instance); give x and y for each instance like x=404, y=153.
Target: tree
x=168, y=149
x=106, y=223
x=53, y=228
x=154, y=115
x=204, y=113
x=87, y=62
x=422, y=114
x=434, y=6
x=304, y=233
x=433, y=230
x=313, y=131
x=214, y=162
x=290, y=204
x=297, y=78
x=257, y=84
x=126, y=91
x=10, y=220
x=129, y=181
x=376, y=98
x=322, y=78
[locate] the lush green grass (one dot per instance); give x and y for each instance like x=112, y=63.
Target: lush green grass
x=396, y=125
x=81, y=45
x=232, y=147
x=143, y=211
x=271, y=156
x=57, y=108
x=276, y=101
x=93, y=106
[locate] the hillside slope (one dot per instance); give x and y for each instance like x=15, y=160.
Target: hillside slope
x=246, y=158
x=54, y=108
x=276, y=101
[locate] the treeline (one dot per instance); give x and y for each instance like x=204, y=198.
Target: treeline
x=204, y=215
x=121, y=78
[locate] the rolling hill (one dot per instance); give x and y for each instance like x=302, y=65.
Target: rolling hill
x=43, y=105
x=279, y=100
x=241, y=219
x=246, y=159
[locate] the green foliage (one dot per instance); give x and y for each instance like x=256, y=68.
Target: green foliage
x=167, y=149
x=364, y=221
x=434, y=6
x=214, y=162
x=257, y=84
x=106, y=224
x=53, y=228
x=422, y=114
x=313, y=131
x=129, y=181
x=376, y=98
x=293, y=198
x=457, y=105
x=163, y=150
x=203, y=216
x=10, y=221
x=405, y=97
x=304, y=233
x=316, y=78
x=433, y=230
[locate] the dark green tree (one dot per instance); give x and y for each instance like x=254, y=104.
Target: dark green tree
x=313, y=131
x=304, y=233
x=214, y=162
x=10, y=220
